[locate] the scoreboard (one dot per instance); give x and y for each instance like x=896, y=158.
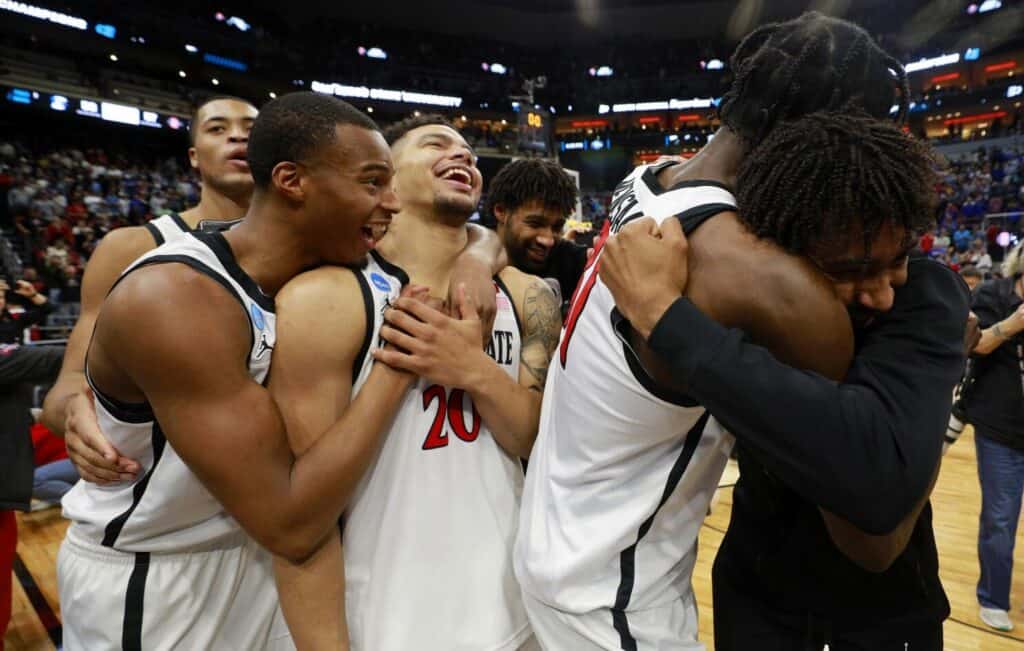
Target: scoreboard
x=534, y=129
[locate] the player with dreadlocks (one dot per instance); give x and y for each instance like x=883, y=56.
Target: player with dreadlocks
x=628, y=456
x=830, y=473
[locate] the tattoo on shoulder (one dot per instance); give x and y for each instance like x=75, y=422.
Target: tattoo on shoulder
x=542, y=317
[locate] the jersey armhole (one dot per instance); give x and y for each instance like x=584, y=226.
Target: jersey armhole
x=371, y=324
x=621, y=327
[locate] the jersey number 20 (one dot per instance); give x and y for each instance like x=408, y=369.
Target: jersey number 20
x=450, y=408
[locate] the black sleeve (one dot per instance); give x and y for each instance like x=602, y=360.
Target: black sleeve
x=865, y=449
x=987, y=304
x=34, y=315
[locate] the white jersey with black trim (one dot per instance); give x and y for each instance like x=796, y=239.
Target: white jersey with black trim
x=622, y=472
x=428, y=535
x=166, y=228
x=167, y=508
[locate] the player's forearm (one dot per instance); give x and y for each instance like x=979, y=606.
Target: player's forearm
x=325, y=477
x=312, y=596
x=510, y=410
x=874, y=553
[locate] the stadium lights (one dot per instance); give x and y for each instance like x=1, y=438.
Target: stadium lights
x=39, y=13
x=113, y=57
x=224, y=62
x=933, y=62
x=664, y=105
x=215, y=81
x=495, y=68
x=372, y=53
x=369, y=109
x=191, y=49
x=972, y=54
x=984, y=7
x=272, y=94
x=181, y=73
x=106, y=31
x=238, y=23
x=601, y=71
x=1014, y=91
x=713, y=64
x=384, y=94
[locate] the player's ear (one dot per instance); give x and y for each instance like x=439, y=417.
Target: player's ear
x=500, y=214
x=287, y=178
x=193, y=158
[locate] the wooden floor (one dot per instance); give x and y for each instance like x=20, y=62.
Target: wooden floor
x=956, y=503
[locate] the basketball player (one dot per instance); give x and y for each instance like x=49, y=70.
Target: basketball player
x=530, y=199
x=608, y=529
x=219, y=135
x=177, y=367
x=428, y=533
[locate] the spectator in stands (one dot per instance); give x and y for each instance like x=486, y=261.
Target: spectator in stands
x=972, y=276
x=995, y=406
x=963, y=237
x=942, y=242
x=927, y=242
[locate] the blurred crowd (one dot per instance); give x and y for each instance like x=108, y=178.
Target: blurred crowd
x=980, y=198
x=60, y=204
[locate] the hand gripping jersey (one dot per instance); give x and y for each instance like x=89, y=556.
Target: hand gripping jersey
x=623, y=470
x=428, y=535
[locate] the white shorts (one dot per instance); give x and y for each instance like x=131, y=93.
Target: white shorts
x=220, y=598
x=672, y=627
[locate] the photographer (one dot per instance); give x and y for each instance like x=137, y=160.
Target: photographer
x=20, y=366
x=994, y=404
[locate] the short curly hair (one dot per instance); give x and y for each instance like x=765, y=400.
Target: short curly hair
x=531, y=179
x=294, y=126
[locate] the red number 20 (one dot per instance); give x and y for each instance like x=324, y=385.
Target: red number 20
x=451, y=406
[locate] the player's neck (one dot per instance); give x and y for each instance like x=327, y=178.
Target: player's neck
x=215, y=206
x=268, y=248
x=719, y=160
x=425, y=247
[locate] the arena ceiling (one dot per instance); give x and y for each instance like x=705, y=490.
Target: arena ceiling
x=541, y=23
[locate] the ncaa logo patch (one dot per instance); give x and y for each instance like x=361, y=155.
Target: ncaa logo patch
x=257, y=317
x=380, y=282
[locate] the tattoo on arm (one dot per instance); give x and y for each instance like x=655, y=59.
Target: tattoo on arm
x=543, y=322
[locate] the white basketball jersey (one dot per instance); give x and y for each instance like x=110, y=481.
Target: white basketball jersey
x=622, y=472
x=428, y=535
x=167, y=508
x=167, y=227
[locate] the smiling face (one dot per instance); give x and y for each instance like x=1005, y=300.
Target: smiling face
x=435, y=171
x=348, y=195
x=529, y=233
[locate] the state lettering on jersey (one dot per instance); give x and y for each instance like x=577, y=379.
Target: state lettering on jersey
x=499, y=348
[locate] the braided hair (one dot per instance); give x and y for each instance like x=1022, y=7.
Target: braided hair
x=828, y=177
x=812, y=63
